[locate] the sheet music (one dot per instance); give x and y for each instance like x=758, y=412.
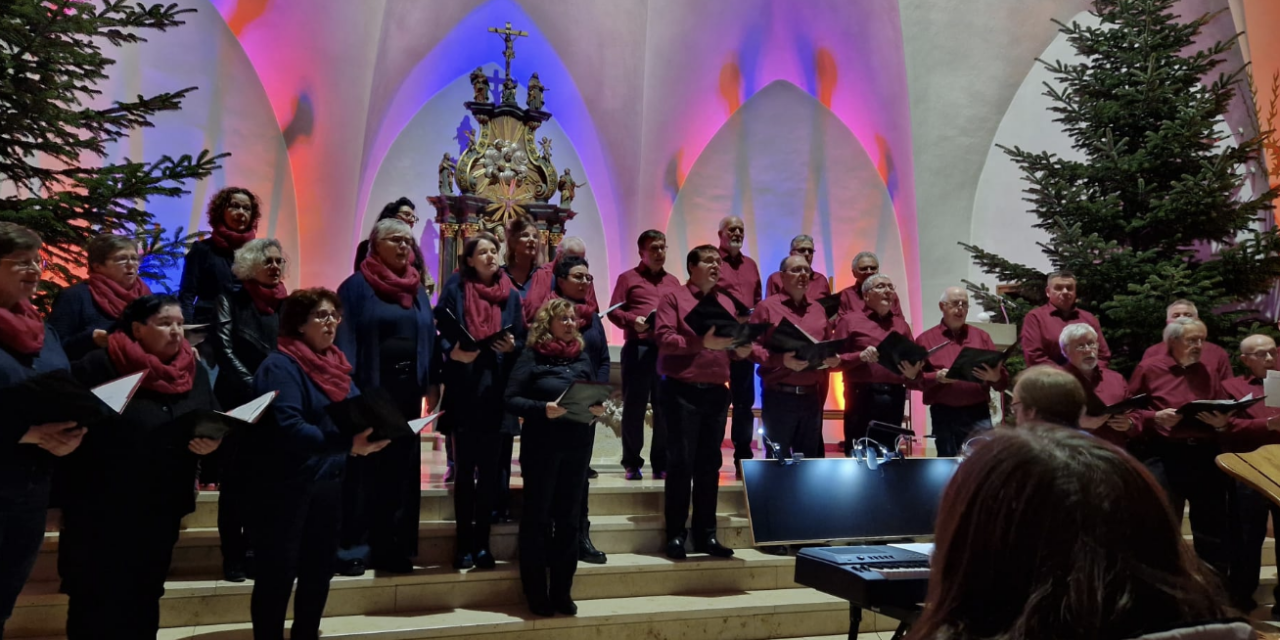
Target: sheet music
x=117, y=393
x=1271, y=387
x=422, y=423
x=252, y=410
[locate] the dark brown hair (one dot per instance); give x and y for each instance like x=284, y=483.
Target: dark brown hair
x=469, y=249
x=296, y=309
x=100, y=247
x=695, y=255
x=1055, y=395
x=216, y=212
x=15, y=237
x=649, y=237
x=513, y=231
x=1047, y=532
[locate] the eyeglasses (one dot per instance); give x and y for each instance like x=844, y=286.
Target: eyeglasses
x=1260, y=354
x=1192, y=342
x=273, y=262
x=326, y=317
x=128, y=260
x=582, y=277
x=884, y=286
x=1083, y=348
x=956, y=304
x=409, y=218
x=37, y=265
x=399, y=240
x=567, y=319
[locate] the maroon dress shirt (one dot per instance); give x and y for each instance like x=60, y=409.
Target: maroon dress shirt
x=1170, y=386
x=1248, y=428
x=681, y=355
x=1109, y=387
x=851, y=300
x=819, y=286
x=960, y=393
x=866, y=329
x=639, y=290
x=740, y=278
x=810, y=317
x=1043, y=326
x=1214, y=357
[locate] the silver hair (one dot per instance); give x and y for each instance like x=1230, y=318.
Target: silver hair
x=948, y=290
x=724, y=222
x=801, y=238
x=386, y=227
x=568, y=243
x=861, y=255
x=253, y=255
x=1073, y=331
x=871, y=282
x=1175, y=329
x=1183, y=303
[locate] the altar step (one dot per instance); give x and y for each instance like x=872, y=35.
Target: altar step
x=633, y=595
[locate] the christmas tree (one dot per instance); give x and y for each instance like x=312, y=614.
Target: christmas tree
x=1153, y=212
x=52, y=145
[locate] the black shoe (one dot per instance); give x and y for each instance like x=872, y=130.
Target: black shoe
x=1275, y=613
x=592, y=473
x=484, y=560
x=675, y=548
x=775, y=550
x=351, y=568
x=541, y=607
x=587, y=552
x=399, y=565
x=463, y=561
x=233, y=572
x=712, y=547
x=566, y=606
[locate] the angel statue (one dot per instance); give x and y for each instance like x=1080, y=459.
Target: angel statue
x=479, y=85
x=545, y=145
x=448, y=167
x=567, y=188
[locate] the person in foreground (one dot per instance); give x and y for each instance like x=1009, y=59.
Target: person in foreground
x=141, y=466
x=300, y=457
x=554, y=453
x=1047, y=532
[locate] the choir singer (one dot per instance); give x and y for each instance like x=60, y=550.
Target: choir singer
x=1102, y=386
x=1043, y=325
x=740, y=281
x=801, y=245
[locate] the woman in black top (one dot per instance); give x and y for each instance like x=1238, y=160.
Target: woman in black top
x=141, y=466
x=403, y=210
x=554, y=453
x=85, y=312
x=243, y=335
x=233, y=216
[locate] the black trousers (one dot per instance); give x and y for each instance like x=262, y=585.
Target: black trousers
x=865, y=402
x=1250, y=511
x=234, y=495
x=793, y=422
x=296, y=530
x=952, y=426
x=553, y=463
x=639, y=391
x=123, y=555
x=1187, y=472
x=742, y=384
x=502, y=502
x=477, y=474
x=21, y=534
x=695, y=423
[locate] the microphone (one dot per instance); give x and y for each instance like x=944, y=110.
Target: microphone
x=890, y=428
x=773, y=446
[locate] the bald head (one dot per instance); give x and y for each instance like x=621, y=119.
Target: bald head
x=1258, y=353
x=571, y=246
x=954, y=306
x=795, y=277
x=732, y=234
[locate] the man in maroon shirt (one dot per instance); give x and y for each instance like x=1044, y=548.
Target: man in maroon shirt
x=638, y=291
x=1213, y=356
x=871, y=391
x=740, y=279
x=957, y=407
x=1180, y=450
x=695, y=370
x=1256, y=427
x=819, y=286
x=1079, y=345
x=865, y=265
x=1043, y=325
x=791, y=404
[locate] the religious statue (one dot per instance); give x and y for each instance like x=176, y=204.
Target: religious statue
x=545, y=145
x=567, y=188
x=508, y=36
x=448, y=166
x=471, y=138
x=479, y=86
x=535, y=89
x=509, y=90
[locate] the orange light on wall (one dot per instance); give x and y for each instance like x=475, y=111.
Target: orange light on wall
x=837, y=386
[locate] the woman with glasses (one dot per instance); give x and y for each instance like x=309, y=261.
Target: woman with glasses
x=389, y=337
x=244, y=334
x=402, y=210
x=573, y=282
x=140, y=465
x=27, y=448
x=554, y=452
x=480, y=298
x=233, y=216
x=84, y=312
x=299, y=457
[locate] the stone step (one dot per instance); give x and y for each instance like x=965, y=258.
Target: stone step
x=197, y=553
x=736, y=615
x=41, y=611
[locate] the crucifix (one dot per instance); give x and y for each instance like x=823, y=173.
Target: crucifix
x=508, y=36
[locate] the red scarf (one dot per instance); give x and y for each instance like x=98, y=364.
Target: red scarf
x=228, y=240
x=582, y=310
x=389, y=286
x=21, y=329
x=482, y=304
x=329, y=370
x=266, y=299
x=178, y=376
x=112, y=298
x=559, y=349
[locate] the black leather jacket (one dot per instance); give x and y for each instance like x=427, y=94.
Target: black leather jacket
x=242, y=338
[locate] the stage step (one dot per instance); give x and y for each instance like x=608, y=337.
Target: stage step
x=731, y=615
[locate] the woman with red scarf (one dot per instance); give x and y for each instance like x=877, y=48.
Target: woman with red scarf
x=141, y=465
x=233, y=216
x=554, y=452
x=84, y=313
x=27, y=348
x=389, y=336
x=299, y=457
x=480, y=298
x=244, y=334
